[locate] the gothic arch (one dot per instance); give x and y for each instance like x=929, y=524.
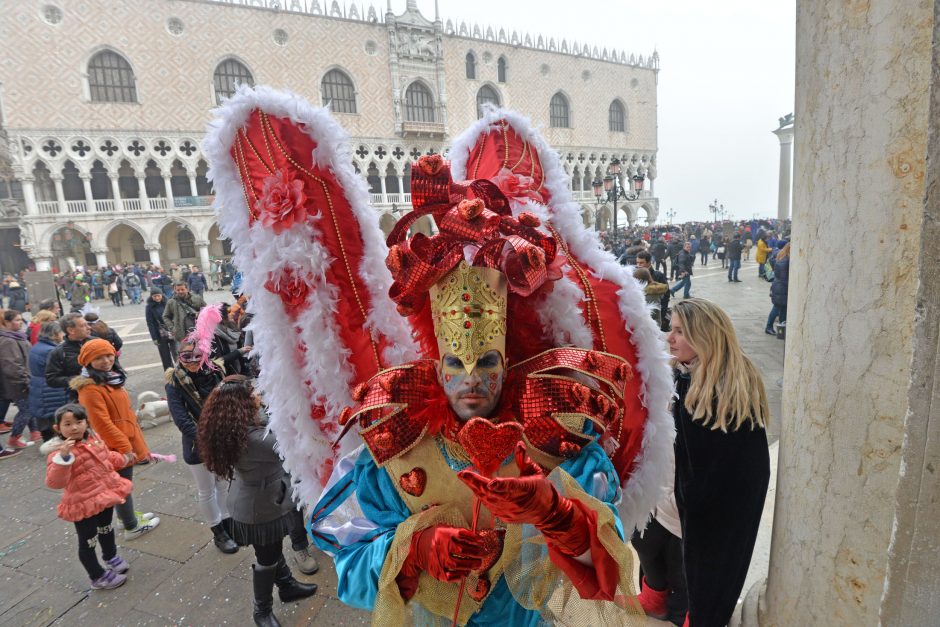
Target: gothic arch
x=103, y=234
x=162, y=224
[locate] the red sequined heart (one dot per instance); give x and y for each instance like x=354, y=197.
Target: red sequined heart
x=493, y=545
x=488, y=444
x=483, y=588
x=414, y=482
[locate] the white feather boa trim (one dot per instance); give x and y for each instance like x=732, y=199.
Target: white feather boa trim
x=650, y=479
x=258, y=251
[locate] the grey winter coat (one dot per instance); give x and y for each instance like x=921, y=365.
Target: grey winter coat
x=259, y=498
x=14, y=366
x=179, y=316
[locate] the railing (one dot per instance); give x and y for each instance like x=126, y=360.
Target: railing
x=423, y=128
x=76, y=206
x=157, y=204
x=394, y=197
x=133, y=204
x=104, y=205
x=48, y=207
x=377, y=199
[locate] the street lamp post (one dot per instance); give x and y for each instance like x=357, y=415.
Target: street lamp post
x=671, y=214
x=611, y=190
x=717, y=209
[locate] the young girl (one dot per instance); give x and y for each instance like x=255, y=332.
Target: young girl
x=82, y=465
x=100, y=389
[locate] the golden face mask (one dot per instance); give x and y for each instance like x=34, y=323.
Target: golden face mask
x=468, y=307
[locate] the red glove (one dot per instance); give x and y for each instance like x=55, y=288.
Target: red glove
x=446, y=553
x=532, y=499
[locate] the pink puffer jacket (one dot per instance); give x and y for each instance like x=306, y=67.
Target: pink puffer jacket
x=89, y=478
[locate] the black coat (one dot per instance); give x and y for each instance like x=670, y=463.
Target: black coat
x=734, y=250
x=781, y=283
x=685, y=262
x=18, y=299
x=721, y=483
x=185, y=395
x=153, y=312
x=63, y=364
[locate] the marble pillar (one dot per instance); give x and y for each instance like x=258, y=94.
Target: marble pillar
x=785, y=135
x=89, y=198
x=116, y=192
x=154, y=251
x=44, y=262
x=202, y=247
x=59, y=194
x=101, y=257
x=29, y=196
x=849, y=400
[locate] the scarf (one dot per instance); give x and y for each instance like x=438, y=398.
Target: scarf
x=111, y=377
x=227, y=337
x=16, y=335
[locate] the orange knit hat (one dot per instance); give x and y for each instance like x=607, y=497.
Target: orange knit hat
x=92, y=349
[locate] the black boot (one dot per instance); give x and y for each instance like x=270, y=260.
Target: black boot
x=222, y=540
x=228, y=524
x=288, y=588
x=262, y=581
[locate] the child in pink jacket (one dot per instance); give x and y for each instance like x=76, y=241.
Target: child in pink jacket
x=84, y=467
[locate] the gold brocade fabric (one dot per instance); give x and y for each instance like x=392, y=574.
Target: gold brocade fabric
x=534, y=581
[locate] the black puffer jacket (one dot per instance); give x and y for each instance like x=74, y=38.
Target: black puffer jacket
x=781, y=283
x=185, y=395
x=63, y=364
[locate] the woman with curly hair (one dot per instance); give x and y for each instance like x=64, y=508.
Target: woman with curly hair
x=722, y=459
x=233, y=444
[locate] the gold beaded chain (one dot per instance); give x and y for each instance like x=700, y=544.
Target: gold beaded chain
x=591, y=301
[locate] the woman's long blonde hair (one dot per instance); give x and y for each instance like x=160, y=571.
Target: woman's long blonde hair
x=727, y=390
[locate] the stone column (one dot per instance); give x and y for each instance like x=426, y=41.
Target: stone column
x=154, y=251
x=116, y=192
x=192, y=185
x=202, y=247
x=101, y=257
x=89, y=200
x=142, y=194
x=852, y=546
x=59, y=194
x=43, y=260
x=785, y=135
x=384, y=193
x=401, y=187
x=29, y=196
x=169, y=191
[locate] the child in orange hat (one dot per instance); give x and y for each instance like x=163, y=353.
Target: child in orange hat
x=101, y=391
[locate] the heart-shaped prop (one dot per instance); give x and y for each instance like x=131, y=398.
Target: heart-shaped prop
x=493, y=545
x=488, y=444
x=482, y=589
x=414, y=481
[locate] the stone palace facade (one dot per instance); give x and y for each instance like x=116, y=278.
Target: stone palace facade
x=103, y=106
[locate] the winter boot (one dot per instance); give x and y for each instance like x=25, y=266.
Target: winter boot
x=653, y=601
x=288, y=588
x=262, y=581
x=222, y=540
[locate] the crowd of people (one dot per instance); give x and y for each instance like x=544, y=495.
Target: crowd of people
x=63, y=375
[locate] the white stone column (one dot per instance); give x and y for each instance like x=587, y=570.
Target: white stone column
x=169, y=192
x=59, y=194
x=785, y=135
x=89, y=200
x=142, y=194
x=192, y=185
x=401, y=187
x=29, y=196
x=70, y=262
x=116, y=192
x=853, y=543
x=202, y=247
x=154, y=251
x=43, y=261
x=101, y=257
x=384, y=193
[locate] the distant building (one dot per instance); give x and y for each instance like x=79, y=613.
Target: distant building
x=104, y=105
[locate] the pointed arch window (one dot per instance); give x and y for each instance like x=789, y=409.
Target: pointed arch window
x=617, y=117
x=501, y=68
x=559, y=115
x=419, y=104
x=337, y=91
x=110, y=78
x=228, y=75
x=486, y=95
x=471, y=65
x=187, y=243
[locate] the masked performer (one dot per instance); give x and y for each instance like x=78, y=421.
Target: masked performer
x=482, y=410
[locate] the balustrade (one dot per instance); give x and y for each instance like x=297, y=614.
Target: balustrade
x=76, y=206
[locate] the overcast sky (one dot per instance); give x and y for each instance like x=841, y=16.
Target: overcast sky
x=726, y=76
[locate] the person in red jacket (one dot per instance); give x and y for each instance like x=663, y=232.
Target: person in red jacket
x=85, y=469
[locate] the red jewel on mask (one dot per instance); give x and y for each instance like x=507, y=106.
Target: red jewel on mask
x=467, y=324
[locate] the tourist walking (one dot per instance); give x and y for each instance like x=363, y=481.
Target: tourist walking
x=62, y=365
x=80, y=465
x=19, y=299
x=778, y=290
x=684, y=263
x=116, y=290
x=132, y=283
x=233, y=442
x=733, y=253
x=14, y=378
x=722, y=459
x=162, y=339
x=188, y=385
x=179, y=315
x=101, y=391
x=44, y=399
x=197, y=281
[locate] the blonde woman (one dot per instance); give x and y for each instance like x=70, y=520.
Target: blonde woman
x=722, y=459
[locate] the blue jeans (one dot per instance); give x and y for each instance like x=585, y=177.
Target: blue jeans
x=776, y=311
x=733, y=266
x=23, y=418
x=135, y=295
x=686, y=283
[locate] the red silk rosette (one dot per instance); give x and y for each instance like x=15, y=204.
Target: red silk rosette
x=292, y=288
x=282, y=202
x=469, y=214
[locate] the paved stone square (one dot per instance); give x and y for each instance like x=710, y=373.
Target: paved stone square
x=177, y=576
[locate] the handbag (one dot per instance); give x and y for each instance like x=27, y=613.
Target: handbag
x=768, y=271
x=112, y=288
